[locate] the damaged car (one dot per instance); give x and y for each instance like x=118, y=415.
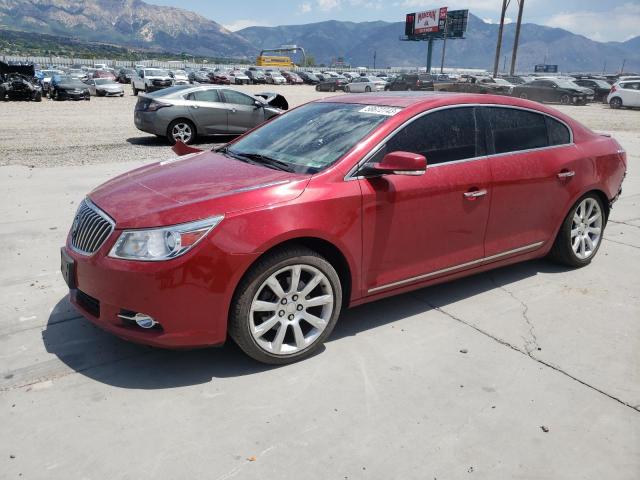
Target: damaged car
x=18, y=82
x=184, y=112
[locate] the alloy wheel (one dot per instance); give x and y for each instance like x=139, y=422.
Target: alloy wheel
x=182, y=132
x=565, y=100
x=586, y=228
x=291, y=309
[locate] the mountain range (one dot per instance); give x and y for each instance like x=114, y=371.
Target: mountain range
x=136, y=24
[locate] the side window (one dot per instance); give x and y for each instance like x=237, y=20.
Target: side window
x=515, y=129
x=442, y=136
x=209, y=95
x=558, y=133
x=237, y=98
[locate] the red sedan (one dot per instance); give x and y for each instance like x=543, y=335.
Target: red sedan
x=336, y=203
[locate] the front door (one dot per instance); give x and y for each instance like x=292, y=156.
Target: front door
x=243, y=114
x=420, y=227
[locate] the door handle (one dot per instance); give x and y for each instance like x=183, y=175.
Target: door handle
x=233, y=110
x=473, y=194
x=195, y=106
x=566, y=174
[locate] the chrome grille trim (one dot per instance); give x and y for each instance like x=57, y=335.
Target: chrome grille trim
x=91, y=227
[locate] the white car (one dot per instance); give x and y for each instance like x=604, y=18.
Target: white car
x=180, y=77
x=625, y=94
x=366, y=84
x=275, y=77
x=104, y=87
x=238, y=77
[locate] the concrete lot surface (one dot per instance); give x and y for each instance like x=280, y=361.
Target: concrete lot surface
x=527, y=372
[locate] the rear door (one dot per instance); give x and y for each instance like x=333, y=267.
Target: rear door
x=630, y=94
x=533, y=163
x=420, y=227
x=242, y=112
x=208, y=111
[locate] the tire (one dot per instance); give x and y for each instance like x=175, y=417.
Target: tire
x=333, y=88
x=135, y=91
x=565, y=99
x=524, y=96
x=297, y=337
x=37, y=97
x=615, y=103
x=590, y=208
x=347, y=89
x=55, y=96
x=317, y=88
x=187, y=128
x=367, y=89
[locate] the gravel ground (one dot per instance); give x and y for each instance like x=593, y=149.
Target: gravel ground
x=50, y=134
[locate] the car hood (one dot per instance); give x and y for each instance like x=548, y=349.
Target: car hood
x=192, y=187
x=110, y=86
x=72, y=85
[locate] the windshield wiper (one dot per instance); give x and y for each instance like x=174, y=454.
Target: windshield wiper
x=264, y=160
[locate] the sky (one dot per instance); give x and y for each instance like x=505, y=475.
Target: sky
x=601, y=20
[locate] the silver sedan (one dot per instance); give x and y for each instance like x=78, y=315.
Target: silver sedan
x=184, y=112
x=104, y=87
x=365, y=84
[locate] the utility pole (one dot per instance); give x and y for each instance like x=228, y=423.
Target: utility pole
x=504, y=64
x=429, y=52
x=374, y=59
x=622, y=68
x=444, y=44
x=505, y=4
x=517, y=39
x=604, y=67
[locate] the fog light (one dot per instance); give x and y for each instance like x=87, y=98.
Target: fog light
x=142, y=320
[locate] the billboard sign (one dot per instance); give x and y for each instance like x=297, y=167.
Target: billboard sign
x=541, y=68
x=429, y=21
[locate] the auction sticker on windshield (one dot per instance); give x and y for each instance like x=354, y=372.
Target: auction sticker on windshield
x=378, y=110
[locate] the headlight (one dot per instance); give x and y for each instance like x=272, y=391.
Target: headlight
x=162, y=243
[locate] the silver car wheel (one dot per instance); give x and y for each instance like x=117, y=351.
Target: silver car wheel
x=586, y=228
x=182, y=132
x=291, y=309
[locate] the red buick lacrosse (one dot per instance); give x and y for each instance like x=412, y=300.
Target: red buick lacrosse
x=333, y=204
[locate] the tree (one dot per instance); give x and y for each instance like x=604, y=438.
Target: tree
x=310, y=61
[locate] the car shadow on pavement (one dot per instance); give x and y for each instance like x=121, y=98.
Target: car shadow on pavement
x=103, y=357
x=200, y=142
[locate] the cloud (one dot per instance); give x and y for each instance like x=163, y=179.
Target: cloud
x=304, y=7
x=244, y=23
x=620, y=23
x=328, y=5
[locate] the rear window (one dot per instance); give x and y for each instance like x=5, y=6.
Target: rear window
x=558, y=133
x=515, y=130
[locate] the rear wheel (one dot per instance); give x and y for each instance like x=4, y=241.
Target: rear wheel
x=524, y=96
x=581, y=232
x=615, y=102
x=37, y=97
x=182, y=130
x=347, y=89
x=317, y=88
x=565, y=99
x=367, y=89
x=286, y=306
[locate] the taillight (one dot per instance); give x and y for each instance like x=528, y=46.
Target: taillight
x=154, y=106
x=418, y=83
x=613, y=88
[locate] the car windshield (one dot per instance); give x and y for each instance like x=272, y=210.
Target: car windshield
x=182, y=73
x=156, y=72
x=104, y=81
x=602, y=83
x=501, y=81
x=313, y=137
x=566, y=84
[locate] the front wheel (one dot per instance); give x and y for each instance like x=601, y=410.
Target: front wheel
x=317, y=88
x=135, y=91
x=615, y=103
x=581, y=232
x=524, y=96
x=565, y=99
x=367, y=89
x=286, y=306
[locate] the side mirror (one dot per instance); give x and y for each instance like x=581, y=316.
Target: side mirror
x=397, y=163
x=257, y=104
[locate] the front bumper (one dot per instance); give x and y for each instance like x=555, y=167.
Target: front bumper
x=72, y=95
x=189, y=296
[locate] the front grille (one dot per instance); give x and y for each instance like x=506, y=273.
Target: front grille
x=161, y=83
x=91, y=227
x=88, y=303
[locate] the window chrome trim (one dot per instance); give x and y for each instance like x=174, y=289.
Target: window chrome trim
x=350, y=174
x=454, y=268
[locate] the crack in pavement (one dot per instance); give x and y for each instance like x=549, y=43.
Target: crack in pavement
x=527, y=354
x=530, y=344
x=626, y=223
x=621, y=243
